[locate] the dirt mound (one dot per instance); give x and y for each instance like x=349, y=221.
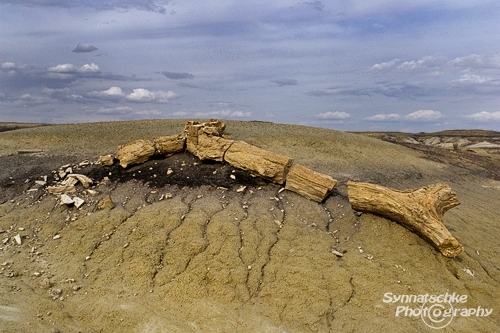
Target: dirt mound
x=207, y=248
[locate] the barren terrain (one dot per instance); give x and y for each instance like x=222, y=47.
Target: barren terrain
x=196, y=251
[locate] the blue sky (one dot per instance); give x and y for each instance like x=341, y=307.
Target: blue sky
x=349, y=65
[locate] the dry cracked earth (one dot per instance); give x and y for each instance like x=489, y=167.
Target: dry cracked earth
x=209, y=248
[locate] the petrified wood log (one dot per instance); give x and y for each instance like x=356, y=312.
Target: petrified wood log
x=311, y=184
x=258, y=161
x=211, y=147
x=169, y=145
x=135, y=152
x=420, y=210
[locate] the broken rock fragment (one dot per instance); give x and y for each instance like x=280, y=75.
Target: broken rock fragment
x=311, y=184
x=135, y=152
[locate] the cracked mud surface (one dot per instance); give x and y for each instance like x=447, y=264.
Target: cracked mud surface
x=201, y=251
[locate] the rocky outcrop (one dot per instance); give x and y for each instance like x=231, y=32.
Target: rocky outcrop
x=311, y=184
x=135, y=152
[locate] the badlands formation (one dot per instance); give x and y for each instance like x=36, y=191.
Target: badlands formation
x=189, y=244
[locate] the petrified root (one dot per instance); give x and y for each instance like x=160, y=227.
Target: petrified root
x=311, y=184
x=420, y=210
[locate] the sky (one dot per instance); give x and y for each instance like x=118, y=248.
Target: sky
x=354, y=65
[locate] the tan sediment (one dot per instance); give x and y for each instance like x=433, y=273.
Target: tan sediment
x=202, y=258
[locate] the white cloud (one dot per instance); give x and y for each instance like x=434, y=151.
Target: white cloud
x=428, y=62
x=337, y=115
x=477, y=61
x=416, y=116
x=485, y=116
x=142, y=95
x=63, y=68
x=92, y=68
x=165, y=96
x=474, y=79
x=385, y=117
x=386, y=65
x=114, y=91
x=423, y=115
x=70, y=68
x=8, y=65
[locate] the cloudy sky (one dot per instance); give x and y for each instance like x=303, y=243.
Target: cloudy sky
x=345, y=64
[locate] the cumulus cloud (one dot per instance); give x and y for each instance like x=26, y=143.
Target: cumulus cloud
x=144, y=95
x=440, y=64
x=383, y=66
x=139, y=95
x=114, y=91
x=84, y=48
x=177, y=75
x=428, y=62
x=484, y=116
x=336, y=115
x=477, y=61
x=385, y=117
x=424, y=115
x=92, y=68
x=475, y=79
x=70, y=68
x=63, y=68
x=416, y=116
x=284, y=82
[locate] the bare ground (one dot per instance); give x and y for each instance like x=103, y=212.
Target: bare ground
x=193, y=252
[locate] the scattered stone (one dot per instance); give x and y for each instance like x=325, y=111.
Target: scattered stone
x=86, y=181
x=337, y=253
x=93, y=192
x=106, y=203
x=66, y=200
x=78, y=202
x=241, y=189
x=56, y=237
x=18, y=239
x=135, y=152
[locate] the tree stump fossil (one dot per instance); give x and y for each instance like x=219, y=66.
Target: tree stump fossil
x=420, y=210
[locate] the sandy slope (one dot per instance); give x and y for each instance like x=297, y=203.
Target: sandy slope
x=212, y=259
